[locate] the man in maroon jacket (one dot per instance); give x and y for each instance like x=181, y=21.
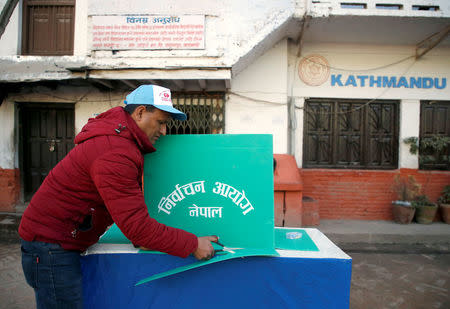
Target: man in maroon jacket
x=96, y=184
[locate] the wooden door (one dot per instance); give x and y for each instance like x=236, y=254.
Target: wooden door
x=47, y=136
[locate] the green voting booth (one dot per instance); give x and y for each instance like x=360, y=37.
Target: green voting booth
x=217, y=185
x=223, y=186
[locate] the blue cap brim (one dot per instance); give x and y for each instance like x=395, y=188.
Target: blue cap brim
x=175, y=113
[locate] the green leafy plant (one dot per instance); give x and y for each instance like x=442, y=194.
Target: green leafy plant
x=406, y=188
x=432, y=149
x=445, y=197
x=422, y=200
x=413, y=143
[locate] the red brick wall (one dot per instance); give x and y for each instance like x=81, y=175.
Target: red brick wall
x=9, y=189
x=363, y=194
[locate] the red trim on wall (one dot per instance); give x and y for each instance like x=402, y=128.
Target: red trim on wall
x=9, y=189
x=363, y=194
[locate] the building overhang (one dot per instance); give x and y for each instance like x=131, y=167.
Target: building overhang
x=74, y=70
x=374, y=30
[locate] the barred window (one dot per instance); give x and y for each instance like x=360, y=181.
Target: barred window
x=434, y=129
x=341, y=133
x=205, y=112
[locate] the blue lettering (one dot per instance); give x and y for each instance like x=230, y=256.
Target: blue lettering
x=372, y=81
x=362, y=79
x=351, y=81
x=336, y=79
x=389, y=82
x=402, y=82
x=427, y=83
x=415, y=82
x=444, y=83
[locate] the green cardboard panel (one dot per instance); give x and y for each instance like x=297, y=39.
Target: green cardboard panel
x=114, y=236
x=212, y=185
x=294, y=239
x=220, y=256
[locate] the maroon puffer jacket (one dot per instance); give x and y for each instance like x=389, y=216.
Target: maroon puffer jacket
x=98, y=182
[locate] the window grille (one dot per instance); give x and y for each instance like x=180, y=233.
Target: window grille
x=434, y=121
x=351, y=134
x=205, y=113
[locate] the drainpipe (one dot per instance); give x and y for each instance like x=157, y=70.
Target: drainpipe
x=7, y=11
x=292, y=125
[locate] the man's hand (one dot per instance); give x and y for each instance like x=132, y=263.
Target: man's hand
x=205, y=250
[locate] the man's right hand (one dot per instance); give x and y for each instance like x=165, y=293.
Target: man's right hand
x=205, y=250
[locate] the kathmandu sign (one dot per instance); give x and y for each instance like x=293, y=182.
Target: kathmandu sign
x=314, y=70
x=337, y=80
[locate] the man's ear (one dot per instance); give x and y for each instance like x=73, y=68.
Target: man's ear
x=138, y=112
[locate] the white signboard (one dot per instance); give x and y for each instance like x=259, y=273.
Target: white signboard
x=148, y=32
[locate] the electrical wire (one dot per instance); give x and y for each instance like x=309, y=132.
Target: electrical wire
x=360, y=70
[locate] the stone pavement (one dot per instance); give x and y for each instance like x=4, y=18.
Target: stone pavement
x=14, y=292
x=387, y=236
x=400, y=281
x=394, y=266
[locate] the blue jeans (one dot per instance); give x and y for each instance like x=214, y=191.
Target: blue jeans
x=54, y=274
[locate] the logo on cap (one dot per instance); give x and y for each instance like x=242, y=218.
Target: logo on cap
x=165, y=96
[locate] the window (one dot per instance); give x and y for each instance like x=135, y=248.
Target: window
x=353, y=5
x=48, y=27
x=434, y=124
x=205, y=113
x=340, y=133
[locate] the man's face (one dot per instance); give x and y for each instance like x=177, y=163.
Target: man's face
x=153, y=123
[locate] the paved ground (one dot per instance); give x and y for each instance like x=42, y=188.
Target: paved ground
x=379, y=280
x=401, y=281
x=14, y=292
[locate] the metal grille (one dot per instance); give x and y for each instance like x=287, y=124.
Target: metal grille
x=341, y=133
x=205, y=112
x=434, y=121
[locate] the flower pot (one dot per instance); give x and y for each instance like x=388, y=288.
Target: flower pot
x=445, y=212
x=402, y=213
x=426, y=214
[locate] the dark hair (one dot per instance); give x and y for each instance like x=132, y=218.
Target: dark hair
x=129, y=108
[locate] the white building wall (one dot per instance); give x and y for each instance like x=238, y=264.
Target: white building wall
x=388, y=61
x=95, y=104
x=10, y=40
x=7, y=147
x=409, y=127
x=257, y=101
x=80, y=46
x=378, y=61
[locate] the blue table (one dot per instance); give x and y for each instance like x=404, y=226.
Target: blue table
x=296, y=279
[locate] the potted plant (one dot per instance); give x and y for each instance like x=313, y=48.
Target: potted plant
x=407, y=190
x=444, y=204
x=425, y=209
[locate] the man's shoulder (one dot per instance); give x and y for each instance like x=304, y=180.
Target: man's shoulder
x=117, y=145
x=101, y=146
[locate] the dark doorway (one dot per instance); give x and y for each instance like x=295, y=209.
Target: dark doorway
x=47, y=134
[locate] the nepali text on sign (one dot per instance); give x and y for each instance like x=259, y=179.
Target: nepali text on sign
x=148, y=32
x=181, y=192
